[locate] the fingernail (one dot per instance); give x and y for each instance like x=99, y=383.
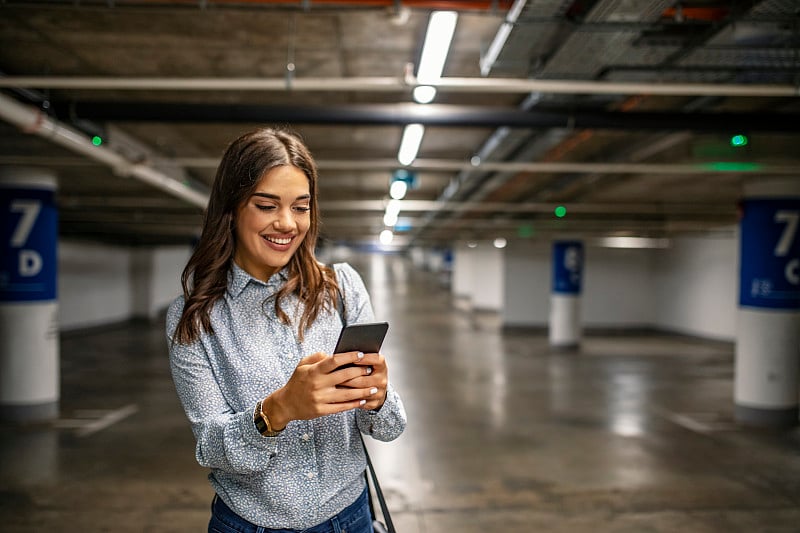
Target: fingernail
x=361, y=355
x=362, y=402
x=369, y=370
x=373, y=390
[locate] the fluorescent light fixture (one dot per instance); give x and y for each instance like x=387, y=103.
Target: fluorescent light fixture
x=633, y=242
x=487, y=61
x=389, y=219
x=424, y=94
x=441, y=27
x=409, y=146
x=398, y=189
x=386, y=237
x=393, y=207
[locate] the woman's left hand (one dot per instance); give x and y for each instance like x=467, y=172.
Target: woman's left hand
x=376, y=375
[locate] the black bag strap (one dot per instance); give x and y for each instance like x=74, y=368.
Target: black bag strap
x=378, y=492
x=371, y=475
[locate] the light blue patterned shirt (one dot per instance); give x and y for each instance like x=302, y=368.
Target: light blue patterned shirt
x=314, y=468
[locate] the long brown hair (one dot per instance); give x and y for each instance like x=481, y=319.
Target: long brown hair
x=205, y=278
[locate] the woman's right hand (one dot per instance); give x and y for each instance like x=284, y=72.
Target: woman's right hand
x=313, y=390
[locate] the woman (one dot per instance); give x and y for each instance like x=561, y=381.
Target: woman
x=275, y=420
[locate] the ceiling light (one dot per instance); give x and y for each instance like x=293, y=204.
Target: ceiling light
x=409, y=146
x=500, y=242
x=386, y=237
x=424, y=94
x=398, y=189
x=441, y=27
x=634, y=242
x=487, y=61
x=389, y=219
x=393, y=207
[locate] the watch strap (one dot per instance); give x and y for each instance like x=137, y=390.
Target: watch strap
x=261, y=421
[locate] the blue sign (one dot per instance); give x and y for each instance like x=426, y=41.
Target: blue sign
x=407, y=176
x=770, y=253
x=567, y=267
x=28, y=238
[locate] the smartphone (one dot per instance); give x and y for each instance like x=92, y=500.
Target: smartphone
x=366, y=338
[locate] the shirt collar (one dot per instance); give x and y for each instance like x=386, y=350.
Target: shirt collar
x=238, y=279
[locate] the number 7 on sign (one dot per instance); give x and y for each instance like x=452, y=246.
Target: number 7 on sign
x=30, y=211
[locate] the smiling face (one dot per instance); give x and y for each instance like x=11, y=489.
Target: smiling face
x=272, y=223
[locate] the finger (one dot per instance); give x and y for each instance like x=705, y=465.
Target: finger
x=343, y=375
x=335, y=361
x=346, y=395
x=373, y=359
x=363, y=379
x=375, y=402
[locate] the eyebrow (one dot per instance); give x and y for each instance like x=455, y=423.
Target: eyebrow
x=276, y=197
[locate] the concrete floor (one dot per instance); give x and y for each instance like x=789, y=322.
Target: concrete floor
x=631, y=434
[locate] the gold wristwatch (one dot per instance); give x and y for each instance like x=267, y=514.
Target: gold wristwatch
x=262, y=423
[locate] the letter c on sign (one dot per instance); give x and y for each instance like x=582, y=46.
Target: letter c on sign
x=793, y=271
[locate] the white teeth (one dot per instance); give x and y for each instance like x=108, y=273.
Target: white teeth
x=278, y=241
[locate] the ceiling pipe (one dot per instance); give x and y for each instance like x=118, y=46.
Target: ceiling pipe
x=393, y=84
x=305, y=5
x=429, y=115
x=455, y=165
x=33, y=121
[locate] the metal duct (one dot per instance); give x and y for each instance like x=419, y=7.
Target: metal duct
x=32, y=120
x=430, y=114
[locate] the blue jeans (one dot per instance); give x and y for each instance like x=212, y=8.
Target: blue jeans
x=355, y=518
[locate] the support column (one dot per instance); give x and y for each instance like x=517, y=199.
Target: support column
x=565, y=299
x=29, y=364
x=768, y=335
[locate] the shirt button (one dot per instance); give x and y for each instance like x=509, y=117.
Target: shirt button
x=306, y=437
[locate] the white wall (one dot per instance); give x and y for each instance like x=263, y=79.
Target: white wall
x=697, y=287
x=689, y=288
x=93, y=284
x=101, y=284
x=478, y=274
x=528, y=273
x=168, y=264
x=617, y=287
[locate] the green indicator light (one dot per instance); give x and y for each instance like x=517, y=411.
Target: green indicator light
x=732, y=166
x=561, y=211
x=525, y=232
x=739, y=140
x=97, y=140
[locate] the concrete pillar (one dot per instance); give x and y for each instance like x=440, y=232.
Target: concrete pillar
x=29, y=362
x=565, y=299
x=768, y=332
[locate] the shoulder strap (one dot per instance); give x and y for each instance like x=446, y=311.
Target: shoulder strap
x=377, y=487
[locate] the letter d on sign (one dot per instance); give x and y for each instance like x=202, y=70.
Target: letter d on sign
x=30, y=263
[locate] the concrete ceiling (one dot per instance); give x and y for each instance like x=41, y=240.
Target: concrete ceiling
x=619, y=110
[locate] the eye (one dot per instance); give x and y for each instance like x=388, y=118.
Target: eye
x=302, y=208
x=263, y=207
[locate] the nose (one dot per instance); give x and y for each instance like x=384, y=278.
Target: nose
x=285, y=220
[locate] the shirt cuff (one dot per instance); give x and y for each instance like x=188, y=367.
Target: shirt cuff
x=253, y=437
